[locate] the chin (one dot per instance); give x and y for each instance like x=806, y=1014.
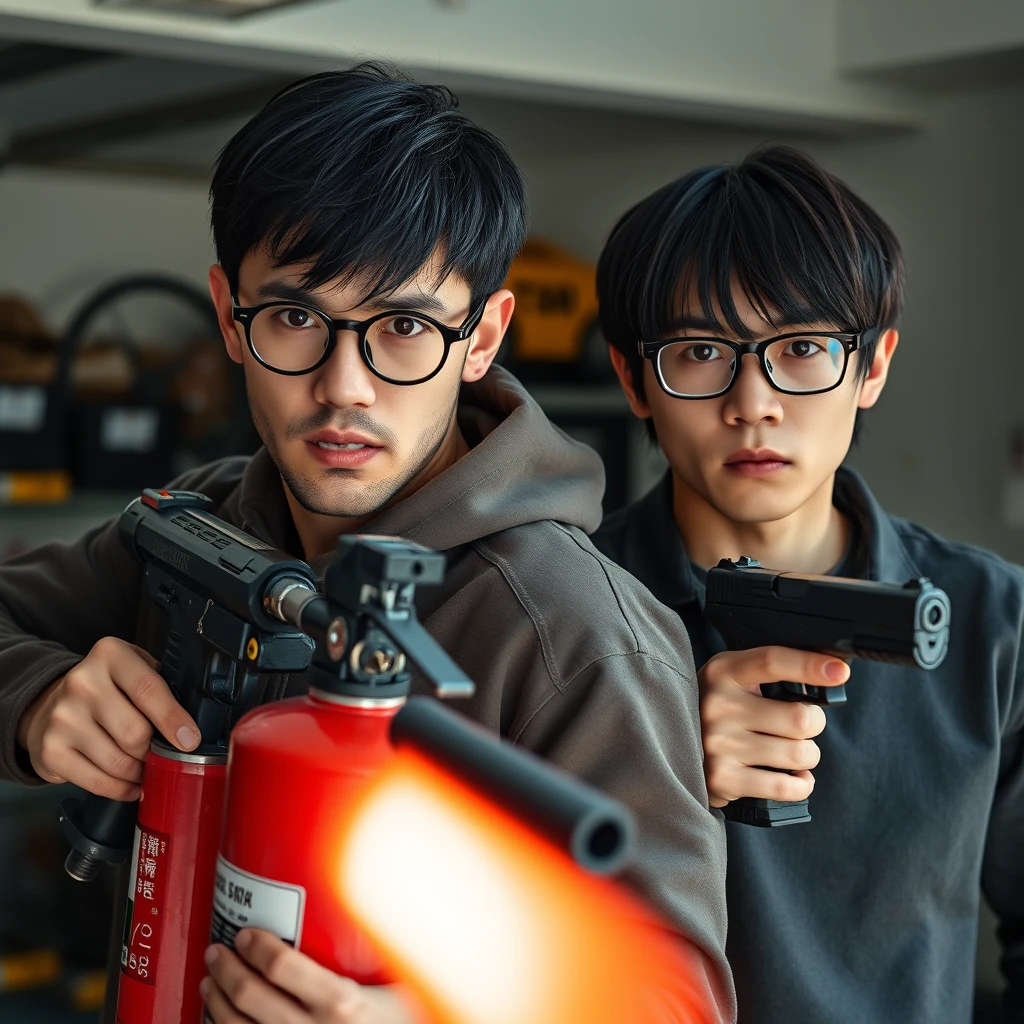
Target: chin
x=755, y=504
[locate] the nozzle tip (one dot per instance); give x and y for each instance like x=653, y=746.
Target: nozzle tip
x=81, y=867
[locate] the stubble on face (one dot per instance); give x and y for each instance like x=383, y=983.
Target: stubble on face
x=338, y=492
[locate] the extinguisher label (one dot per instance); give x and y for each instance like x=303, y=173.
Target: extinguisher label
x=244, y=900
x=144, y=916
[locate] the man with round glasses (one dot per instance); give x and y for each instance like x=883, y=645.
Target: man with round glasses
x=364, y=228
x=751, y=311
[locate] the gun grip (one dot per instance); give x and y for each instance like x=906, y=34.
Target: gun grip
x=825, y=695
x=766, y=813
x=775, y=813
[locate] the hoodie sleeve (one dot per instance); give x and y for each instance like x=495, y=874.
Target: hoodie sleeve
x=56, y=601
x=628, y=725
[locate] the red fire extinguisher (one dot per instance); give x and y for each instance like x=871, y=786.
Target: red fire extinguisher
x=297, y=767
x=211, y=581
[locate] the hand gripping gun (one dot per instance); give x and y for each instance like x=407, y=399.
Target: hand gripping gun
x=210, y=580
x=751, y=606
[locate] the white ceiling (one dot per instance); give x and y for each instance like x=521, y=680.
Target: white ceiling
x=161, y=93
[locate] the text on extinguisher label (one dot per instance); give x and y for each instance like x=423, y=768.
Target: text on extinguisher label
x=245, y=900
x=143, y=920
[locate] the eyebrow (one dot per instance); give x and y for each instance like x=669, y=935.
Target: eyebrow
x=419, y=301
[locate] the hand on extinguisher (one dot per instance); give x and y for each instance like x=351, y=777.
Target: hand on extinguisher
x=741, y=729
x=93, y=726
x=266, y=981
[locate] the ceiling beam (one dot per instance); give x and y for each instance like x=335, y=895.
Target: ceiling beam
x=19, y=61
x=66, y=142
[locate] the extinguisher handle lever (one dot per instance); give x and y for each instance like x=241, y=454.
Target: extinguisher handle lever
x=447, y=679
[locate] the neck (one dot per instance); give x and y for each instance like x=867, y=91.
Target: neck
x=811, y=539
x=319, y=533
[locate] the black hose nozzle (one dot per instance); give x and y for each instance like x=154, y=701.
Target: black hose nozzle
x=100, y=831
x=593, y=829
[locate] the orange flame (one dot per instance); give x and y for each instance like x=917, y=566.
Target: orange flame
x=492, y=925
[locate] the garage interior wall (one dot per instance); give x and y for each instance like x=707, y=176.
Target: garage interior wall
x=935, y=450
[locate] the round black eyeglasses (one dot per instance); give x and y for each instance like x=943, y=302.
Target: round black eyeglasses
x=399, y=346
x=800, y=363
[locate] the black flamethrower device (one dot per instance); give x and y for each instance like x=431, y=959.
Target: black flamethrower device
x=237, y=608
x=751, y=606
x=210, y=580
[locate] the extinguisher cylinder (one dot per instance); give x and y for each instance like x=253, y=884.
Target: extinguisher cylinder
x=170, y=890
x=596, y=831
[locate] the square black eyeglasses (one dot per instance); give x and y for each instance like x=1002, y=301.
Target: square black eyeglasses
x=399, y=346
x=798, y=363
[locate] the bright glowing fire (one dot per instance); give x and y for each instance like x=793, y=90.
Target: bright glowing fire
x=491, y=925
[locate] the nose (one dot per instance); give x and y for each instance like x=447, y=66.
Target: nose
x=345, y=380
x=751, y=399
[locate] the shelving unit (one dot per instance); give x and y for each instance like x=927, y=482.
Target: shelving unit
x=25, y=526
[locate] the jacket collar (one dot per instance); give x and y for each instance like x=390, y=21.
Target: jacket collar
x=888, y=558
x=262, y=505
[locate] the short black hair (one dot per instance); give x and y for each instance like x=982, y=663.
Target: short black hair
x=798, y=242
x=362, y=174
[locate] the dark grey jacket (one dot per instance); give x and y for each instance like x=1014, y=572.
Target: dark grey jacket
x=572, y=658
x=868, y=914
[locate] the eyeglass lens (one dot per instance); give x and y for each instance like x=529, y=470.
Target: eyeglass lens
x=699, y=368
x=400, y=346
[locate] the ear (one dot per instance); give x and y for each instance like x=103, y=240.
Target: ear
x=230, y=329
x=486, y=339
x=871, y=386
x=638, y=406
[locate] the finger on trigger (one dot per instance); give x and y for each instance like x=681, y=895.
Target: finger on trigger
x=772, y=664
x=835, y=671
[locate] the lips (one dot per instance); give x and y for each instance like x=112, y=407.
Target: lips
x=755, y=462
x=342, y=439
x=346, y=449
x=756, y=455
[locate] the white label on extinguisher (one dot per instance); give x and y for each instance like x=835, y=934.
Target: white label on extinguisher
x=244, y=900
x=129, y=909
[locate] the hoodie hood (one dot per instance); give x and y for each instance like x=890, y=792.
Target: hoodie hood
x=520, y=469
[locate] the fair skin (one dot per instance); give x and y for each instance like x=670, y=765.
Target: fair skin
x=265, y=981
x=94, y=725
x=412, y=430
x=752, y=474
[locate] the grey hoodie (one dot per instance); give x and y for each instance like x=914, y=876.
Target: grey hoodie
x=572, y=657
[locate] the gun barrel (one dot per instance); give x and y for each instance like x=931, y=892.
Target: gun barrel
x=176, y=533
x=751, y=606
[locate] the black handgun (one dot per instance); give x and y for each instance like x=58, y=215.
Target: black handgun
x=211, y=580
x=755, y=607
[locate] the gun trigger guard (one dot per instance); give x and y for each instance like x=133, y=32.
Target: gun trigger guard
x=826, y=696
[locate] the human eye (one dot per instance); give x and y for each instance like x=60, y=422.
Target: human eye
x=403, y=325
x=807, y=348
x=700, y=351
x=295, y=318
